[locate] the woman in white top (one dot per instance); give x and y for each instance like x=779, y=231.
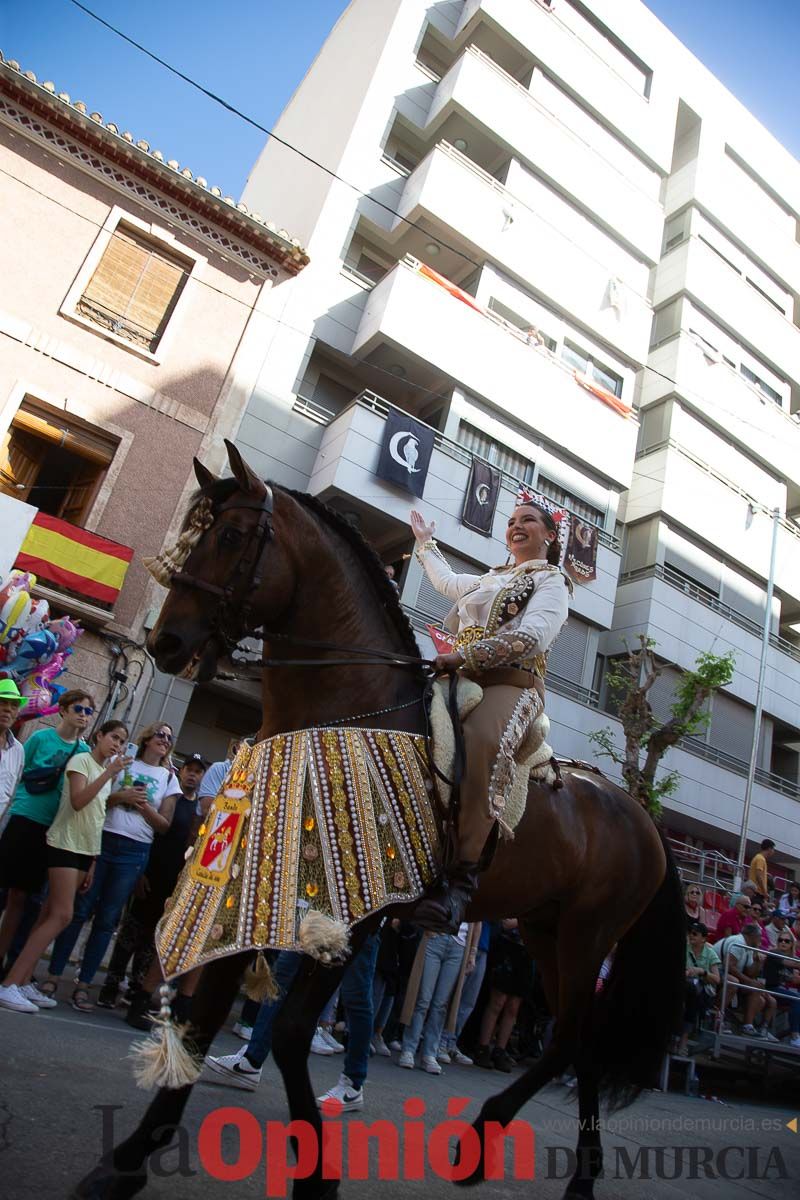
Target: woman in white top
x=141, y=806
x=73, y=842
x=505, y=621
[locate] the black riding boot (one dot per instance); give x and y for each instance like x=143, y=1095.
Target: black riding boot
x=442, y=908
x=138, y=1009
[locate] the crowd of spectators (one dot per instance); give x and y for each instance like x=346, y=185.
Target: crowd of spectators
x=95, y=831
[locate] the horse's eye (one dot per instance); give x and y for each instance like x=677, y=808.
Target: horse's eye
x=230, y=537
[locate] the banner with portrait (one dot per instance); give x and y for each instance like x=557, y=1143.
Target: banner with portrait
x=480, y=498
x=581, y=558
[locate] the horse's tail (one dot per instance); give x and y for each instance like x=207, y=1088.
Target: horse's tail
x=641, y=1007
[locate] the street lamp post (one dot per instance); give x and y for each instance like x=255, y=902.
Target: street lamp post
x=762, y=670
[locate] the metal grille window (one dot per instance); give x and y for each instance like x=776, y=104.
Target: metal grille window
x=568, y=656
x=480, y=444
x=759, y=383
x=134, y=289
x=731, y=727
x=581, y=508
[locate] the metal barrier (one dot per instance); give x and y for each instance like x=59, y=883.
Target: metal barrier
x=745, y=1041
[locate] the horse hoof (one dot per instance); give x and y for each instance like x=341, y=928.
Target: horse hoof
x=105, y=1183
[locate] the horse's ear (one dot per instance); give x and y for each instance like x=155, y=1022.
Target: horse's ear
x=203, y=476
x=244, y=475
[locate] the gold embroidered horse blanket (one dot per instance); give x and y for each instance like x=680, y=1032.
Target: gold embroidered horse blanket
x=338, y=822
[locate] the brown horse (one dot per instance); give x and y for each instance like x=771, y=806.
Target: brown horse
x=586, y=870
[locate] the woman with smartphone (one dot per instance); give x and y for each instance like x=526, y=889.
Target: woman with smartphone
x=73, y=843
x=141, y=806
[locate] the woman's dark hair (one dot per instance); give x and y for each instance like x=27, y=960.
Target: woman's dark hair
x=553, y=548
x=109, y=727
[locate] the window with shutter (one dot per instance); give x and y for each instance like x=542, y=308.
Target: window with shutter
x=134, y=288
x=568, y=655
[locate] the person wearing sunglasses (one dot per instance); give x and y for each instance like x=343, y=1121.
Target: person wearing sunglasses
x=23, y=846
x=141, y=806
x=782, y=977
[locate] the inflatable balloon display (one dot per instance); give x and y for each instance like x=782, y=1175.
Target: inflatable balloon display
x=33, y=649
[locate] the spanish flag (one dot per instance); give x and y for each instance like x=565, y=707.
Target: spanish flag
x=74, y=558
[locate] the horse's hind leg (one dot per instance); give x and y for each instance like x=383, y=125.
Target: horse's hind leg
x=589, y=1152
x=124, y=1172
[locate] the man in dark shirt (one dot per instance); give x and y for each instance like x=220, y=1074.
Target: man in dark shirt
x=153, y=889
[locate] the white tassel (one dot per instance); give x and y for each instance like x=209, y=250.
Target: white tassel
x=323, y=938
x=162, y=1060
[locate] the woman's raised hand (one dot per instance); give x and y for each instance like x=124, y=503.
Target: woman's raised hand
x=420, y=528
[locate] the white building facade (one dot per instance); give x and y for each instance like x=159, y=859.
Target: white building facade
x=570, y=167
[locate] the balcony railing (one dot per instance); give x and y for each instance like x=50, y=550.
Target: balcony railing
x=375, y=403
x=709, y=600
x=75, y=562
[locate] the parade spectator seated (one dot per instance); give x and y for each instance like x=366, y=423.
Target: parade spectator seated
x=738, y=953
x=733, y=919
x=789, y=903
x=782, y=975
x=757, y=914
x=702, y=980
x=776, y=927
x=693, y=903
x=23, y=846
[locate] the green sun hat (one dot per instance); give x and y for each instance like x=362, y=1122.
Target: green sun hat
x=10, y=691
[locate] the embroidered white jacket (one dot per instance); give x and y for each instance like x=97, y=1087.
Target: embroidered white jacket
x=523, y=636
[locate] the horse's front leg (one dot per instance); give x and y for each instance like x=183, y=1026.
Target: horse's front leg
x=292, y=1034
x=124, y=1173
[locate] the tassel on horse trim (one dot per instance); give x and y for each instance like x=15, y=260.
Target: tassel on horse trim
x=162, y=1059
x=323, y=938
x=259, y=982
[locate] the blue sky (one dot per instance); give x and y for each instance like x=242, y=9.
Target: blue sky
x=257, y=51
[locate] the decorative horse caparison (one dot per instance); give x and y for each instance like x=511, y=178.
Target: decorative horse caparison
x=586, y=869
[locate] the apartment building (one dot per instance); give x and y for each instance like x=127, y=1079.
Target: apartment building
x=130, y=340
x=566, y=167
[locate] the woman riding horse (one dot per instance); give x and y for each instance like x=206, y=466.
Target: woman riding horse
x=506, y=622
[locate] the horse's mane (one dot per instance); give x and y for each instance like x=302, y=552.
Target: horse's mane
x=222, y=490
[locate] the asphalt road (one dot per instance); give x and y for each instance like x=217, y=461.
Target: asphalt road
x=58, y=1069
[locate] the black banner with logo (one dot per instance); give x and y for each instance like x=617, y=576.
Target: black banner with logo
x=406, y=452
x=480, y=498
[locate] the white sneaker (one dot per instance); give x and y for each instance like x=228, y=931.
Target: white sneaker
x=748, y=1031
x=350, y=1097
x=32, y=993
x=330, y=1040
x=406, y=1059
x=319, y=1045
x=443, y=1056
x=245, y=1032
x=395, y=1046
x=463, y=1060
x=430, y=1065
x=794, y=1040
x=12, y=997
x=380, y=1046
x=235, y=1070
x=766, y=1035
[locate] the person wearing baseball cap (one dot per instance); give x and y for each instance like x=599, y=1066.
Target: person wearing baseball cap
x=12, y=756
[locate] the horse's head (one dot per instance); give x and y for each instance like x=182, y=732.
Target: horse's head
x=227, y=573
